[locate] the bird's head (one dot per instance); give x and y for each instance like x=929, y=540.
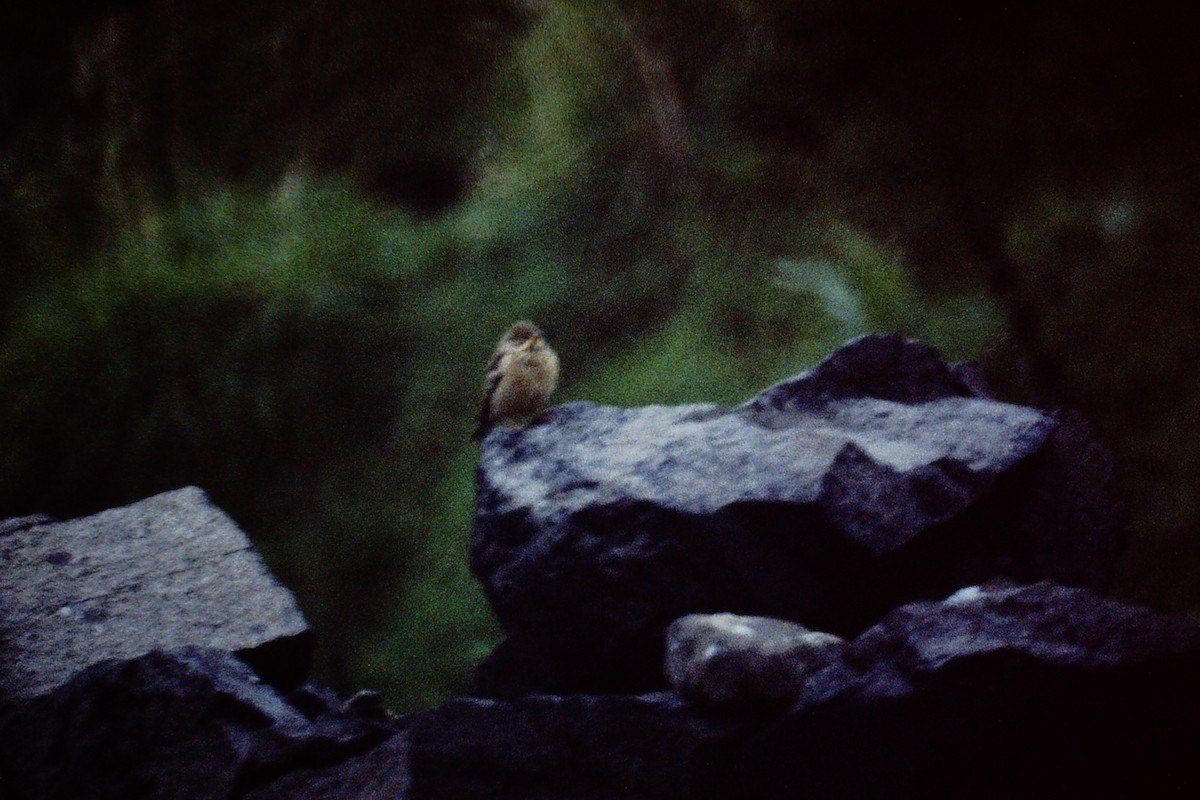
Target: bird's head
x=525, y=336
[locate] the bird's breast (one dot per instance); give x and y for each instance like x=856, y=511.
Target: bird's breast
x=526, y=384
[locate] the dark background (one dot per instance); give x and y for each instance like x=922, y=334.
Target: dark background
x=266, y=248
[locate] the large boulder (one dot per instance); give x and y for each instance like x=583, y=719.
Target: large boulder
x=882, y=476
x=857, y=499
x=167, y=572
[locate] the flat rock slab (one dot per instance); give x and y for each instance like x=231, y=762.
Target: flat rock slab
x=882, y=476
x=169, y=571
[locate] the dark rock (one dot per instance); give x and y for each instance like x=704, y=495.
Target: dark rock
x=726, y=658
x=878, y=478
x=1029, y=691
x=170, y=571
x=369, y=704
x=191, y=723
x=381, y=774
x=878, y=366
x=581, y=747
x=998, y=691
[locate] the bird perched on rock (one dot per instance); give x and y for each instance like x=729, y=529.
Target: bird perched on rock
x=520, y=377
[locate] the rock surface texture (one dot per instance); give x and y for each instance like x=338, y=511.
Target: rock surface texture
x=167, y=572
x=726, y=659
x=880, y=477
x=670, y=582
x=147, y=652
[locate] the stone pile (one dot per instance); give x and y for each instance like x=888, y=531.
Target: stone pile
x=871, y=580
x=147, y=651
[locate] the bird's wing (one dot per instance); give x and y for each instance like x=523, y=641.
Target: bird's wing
x=493, y=364
x=489, y=390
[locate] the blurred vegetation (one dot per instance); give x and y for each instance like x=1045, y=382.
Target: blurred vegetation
x=267, y=248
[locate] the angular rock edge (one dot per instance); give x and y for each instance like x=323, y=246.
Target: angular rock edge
x=169, y=571
x=882, y=476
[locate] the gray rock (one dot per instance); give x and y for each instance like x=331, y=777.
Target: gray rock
x=882, y=476
x=169, y=571
x=190, y=723
x=726, y=658
x=996, y=692
x=14, y=524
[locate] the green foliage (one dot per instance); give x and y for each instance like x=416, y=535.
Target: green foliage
x=1106, y=283
x=313, y=360
x=207, y=279
x=751, y=319
x=254, y=344
x=216, y=321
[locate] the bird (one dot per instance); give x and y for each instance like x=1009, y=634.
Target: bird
x=521, y=376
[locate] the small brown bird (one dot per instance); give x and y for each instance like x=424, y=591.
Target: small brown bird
x=520, y=377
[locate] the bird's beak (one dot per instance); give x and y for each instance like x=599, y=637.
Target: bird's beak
x=531, y=342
